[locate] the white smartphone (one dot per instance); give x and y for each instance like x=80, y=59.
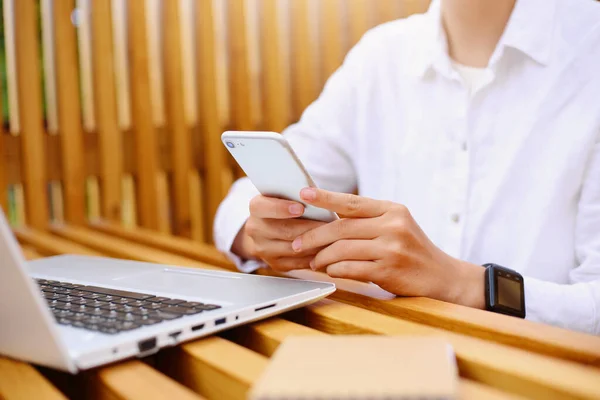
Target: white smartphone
x=273, y=167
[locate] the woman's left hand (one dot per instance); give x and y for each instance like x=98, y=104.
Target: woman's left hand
x=380, y=242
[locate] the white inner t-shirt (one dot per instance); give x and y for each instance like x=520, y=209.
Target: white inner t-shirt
x=474, y=78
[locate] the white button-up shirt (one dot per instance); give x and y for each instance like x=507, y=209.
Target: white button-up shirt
x=509, y=174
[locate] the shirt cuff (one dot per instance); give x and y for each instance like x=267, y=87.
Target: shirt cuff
x=567, y=306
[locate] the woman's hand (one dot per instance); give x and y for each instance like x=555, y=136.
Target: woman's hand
x=380, y=242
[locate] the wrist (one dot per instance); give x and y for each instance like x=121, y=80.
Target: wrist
x=241, y=244
x=469, y=285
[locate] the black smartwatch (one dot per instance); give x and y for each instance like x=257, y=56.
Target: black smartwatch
x=504, y=291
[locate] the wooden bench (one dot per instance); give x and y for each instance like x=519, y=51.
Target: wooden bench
x=226, y=365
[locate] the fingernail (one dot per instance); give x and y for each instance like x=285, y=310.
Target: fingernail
x=312, y=265
x=308, y=194
x=297, y=244
x=296, y=209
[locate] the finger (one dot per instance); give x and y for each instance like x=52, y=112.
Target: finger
x=270, y=207
x=274, y=248
x=346, y=250
x=285, y=264
x=282, y=229
x=346, y=204
x=347, y=228
x=289, y=229
x=366, y=271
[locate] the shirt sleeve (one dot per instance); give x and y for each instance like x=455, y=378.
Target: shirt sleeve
x=575, y=305
x=322, y=139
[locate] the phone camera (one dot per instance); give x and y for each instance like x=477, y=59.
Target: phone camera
x=230, y=145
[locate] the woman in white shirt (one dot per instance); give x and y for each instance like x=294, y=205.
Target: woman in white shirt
x=472, y=135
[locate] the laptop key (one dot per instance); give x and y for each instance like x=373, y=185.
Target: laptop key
x=191, y=304
x=141, y=311
x=139, y=303
x=181, y=310
x=209, y=307
x=111, y=330
x=173, y=302
x=160, y=314
x=91, y=296
x=158, y=299
x=149, y=321
x=126, y=325
x=155, y=306
x=118, y=293
x=78, y=317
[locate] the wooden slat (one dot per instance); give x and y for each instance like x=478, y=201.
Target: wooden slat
x=305, y=86
x=11, y=66
x=20, y=381
x=332, y=41
x=409, y=7
x=216, y=163
x=172, y=244
x=3, y=161
x=388, y=10
x=503, y=367
x=109, y=136
x=358, y=19
x=135, y=380
x=48, y=41
x=141, y=107
x=67, y=79
x=30, y=109
x=50, y=245
x=188, y=60
x=214, y=367
x=120, y=248
x=179, y=132
x=264, y=337
x=30, y=253
x=240, y=87
x=544, y=339
x=468, y=389
x=119, y=34
x=85, y=23
x=275, y=90
x=242, y=117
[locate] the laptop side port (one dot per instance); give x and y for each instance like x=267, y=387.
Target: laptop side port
x=220, y=321
x=264, y=307
x=197, y=327
x=146, y=345
x=175, y=334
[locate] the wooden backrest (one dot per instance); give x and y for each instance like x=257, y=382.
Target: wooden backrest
x=113, y=109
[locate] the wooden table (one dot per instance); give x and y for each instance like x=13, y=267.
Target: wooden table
x=498, y=357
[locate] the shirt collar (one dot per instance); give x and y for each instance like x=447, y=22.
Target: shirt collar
x=529, y=30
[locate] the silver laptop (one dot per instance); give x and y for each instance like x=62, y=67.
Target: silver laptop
x=74, y=312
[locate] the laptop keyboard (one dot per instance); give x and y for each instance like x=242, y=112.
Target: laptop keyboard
x=112, y=311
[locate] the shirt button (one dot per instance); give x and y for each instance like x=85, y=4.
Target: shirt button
x=455, y=218
x=464, y=146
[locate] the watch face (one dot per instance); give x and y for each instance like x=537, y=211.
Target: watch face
x=509, y=292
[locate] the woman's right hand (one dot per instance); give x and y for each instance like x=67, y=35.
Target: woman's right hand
x=269, y=231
